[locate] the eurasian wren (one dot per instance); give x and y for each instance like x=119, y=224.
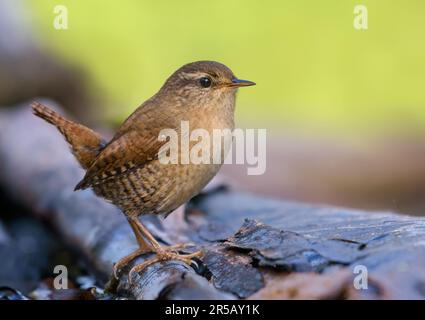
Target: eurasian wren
x=127, y=170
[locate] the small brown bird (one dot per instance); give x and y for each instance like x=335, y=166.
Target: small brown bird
x=127, y=170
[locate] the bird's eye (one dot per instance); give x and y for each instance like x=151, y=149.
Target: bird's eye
x=205, y=82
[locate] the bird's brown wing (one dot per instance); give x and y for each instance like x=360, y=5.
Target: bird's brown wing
x=133, y=146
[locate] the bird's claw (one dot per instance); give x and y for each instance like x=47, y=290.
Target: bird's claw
x=124, y=261
x=165, y=254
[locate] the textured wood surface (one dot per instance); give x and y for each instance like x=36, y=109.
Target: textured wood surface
x=255, y=247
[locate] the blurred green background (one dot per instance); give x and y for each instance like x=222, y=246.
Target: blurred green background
x=313, y=69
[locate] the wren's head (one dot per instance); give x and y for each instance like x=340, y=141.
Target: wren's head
x=203, y=83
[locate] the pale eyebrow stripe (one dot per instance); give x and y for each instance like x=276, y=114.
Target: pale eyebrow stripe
x=192, y=75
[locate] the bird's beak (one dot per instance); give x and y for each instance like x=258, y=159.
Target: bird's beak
x=241, y=83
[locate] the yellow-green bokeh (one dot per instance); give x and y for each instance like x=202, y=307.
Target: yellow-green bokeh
x=312, y=67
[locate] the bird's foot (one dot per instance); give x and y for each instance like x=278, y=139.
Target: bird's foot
x=176, y=247
x=166, y=254
x=126, y=260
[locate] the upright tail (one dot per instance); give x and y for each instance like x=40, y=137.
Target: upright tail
x=85, y=143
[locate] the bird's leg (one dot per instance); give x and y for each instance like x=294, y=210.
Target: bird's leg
x=163, y=253
x=144, y=247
